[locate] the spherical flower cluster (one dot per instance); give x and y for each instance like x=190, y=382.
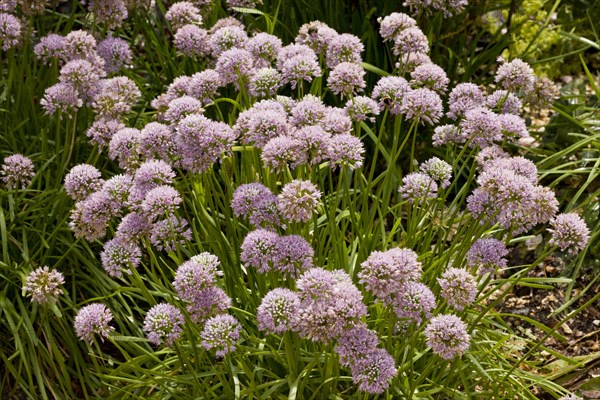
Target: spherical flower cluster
x=316, y=35
x=258, y=126
x=301, y=67
x=308, y=111
x=418, y=187
x=149, y=175
x=163, y=322
x=109, y=12
x=156, y=141
x=183, y=13
x=181, y=107
x=91, y=320
x=10, y=31
x=329, y=304
x=82, y=180
x=513, y=126
x=447, y=336
x=569, y=232
x=17, y=171
x=384, y=273
x=346, y=79
x=392, y=24
x=504, y=102
x=516, y=76
x=116, y=97
x=543, y=94
x=265, y=82
x=359, y=108
x=283, y=151
x=298, y=200
x=191, y=41
x=227, y=38
x=118, y=255
x=257, y=203
x=449, y=8
x=481, y=126
x=43, y=285
x=459, y=287
x=50, y=47
x=344, y=48
x=374, y=373
x=410, y=40
x=464, y=97
x=133, y=227
x=389, y=92
x=439, y=170
x=278, y=311
x=102, y=130
x=124, y=146
x=204, y=85
x=62, y=98
x=337, y=121
x=89, y=218
x=413, y=302
x=235, y=64
x=115, y=52
x=430, y=76
x=160, y=202
x=264, y=47
x=345, y=150
x=221, y=333
x=314, y=141
x=486, y=255
x=422, y=104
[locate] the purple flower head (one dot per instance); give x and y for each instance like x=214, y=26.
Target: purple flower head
x=91, y=320
x=346, y=79
x=516, y=76
x=260, y=126
x=504, y=102
x=278, y=311
x=345, y=150
x=264, y=47
x=293, y=255
x=374, y=373
x=546, y=204
x=227, y=38
x=78, y=44
x=82, y=76
x=519, y=165
x=430, y=76
x=286, y=102
x=43, y=285
x=89, y=218
x=149, y=175
x=258, y=249
x=410, y=40
x=439, y=170
x=291, y=51
x=308, y=111
x=8, y=6
x=207, y=303
x=183, y=13
x=115, y=52
x=202, y=142
x=257, y=203
x=283, y=151
x=413, y=301
x=385, y=273
x=62, y=98
x=124, y=145
x=344, y=48
x=10, y=31
x=120, y=255
x=355, y=344
x=300, y=68
x=163, y=322
x=485, y=255
x=418, y=187
x=569, y=232
x=168, y=233
x=391, y=25
x=409, y=61
x=51, y=46
x=160, y=202
x=488, y=154
x=464, y=97
x=102, y=130
x=195, y=275
x=235, y=64
x=221, y=334
x=156, y=141
x=191, y=41
x=181, y=107
x=265, y=82
x=513, y=126
x=109, y=12
x=337, y=121
x=17, y=171
x=329, y=304
x=360, y=108
x=481, y=126
x=459, y=287
x=447, y=336
x=314, y=141
x=317, y=35
x=133, y=227
x=223, y=22
x=298, y=200
x=447, y=134
x=389, y=92
x=543, y=94
x=422, y=104
x=116, y=97
x=204, y=85
x=82, y=180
